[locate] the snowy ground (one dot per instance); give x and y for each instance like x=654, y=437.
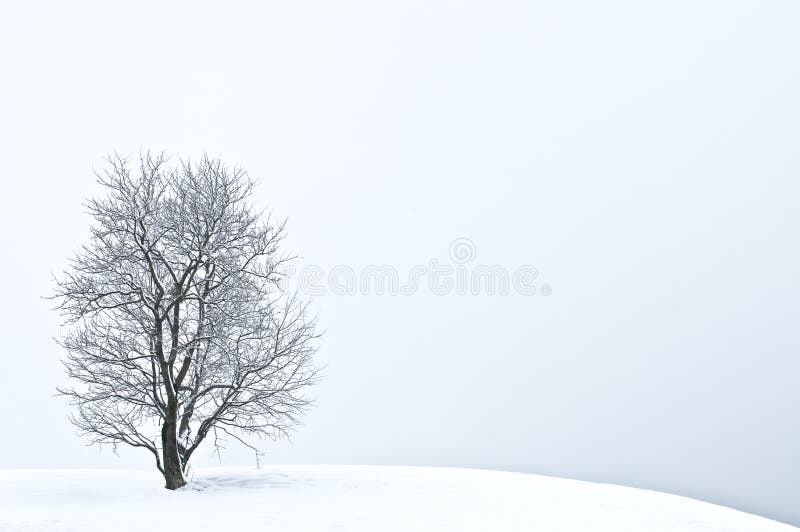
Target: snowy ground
x=349, y=498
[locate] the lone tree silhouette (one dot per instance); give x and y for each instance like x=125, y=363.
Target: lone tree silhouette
x=177, y=324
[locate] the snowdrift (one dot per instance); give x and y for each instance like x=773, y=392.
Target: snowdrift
x=350, y=498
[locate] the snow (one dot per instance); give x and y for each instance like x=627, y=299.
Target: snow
x=350, y=498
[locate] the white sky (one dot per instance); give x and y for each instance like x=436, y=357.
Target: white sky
x=643, y=156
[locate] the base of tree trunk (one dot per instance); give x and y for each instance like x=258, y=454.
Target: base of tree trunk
x=174, y=483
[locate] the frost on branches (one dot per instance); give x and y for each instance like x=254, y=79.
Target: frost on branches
x=177, y=326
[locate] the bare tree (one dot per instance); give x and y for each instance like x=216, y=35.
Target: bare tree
x=177, y=325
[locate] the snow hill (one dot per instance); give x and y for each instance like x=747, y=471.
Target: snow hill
x=349, y=499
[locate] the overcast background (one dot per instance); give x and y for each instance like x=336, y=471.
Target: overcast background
x=643, y=156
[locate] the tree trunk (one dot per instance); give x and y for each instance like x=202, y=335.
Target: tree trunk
x=173, y=471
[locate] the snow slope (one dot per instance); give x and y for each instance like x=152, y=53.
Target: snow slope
x=350, y=498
